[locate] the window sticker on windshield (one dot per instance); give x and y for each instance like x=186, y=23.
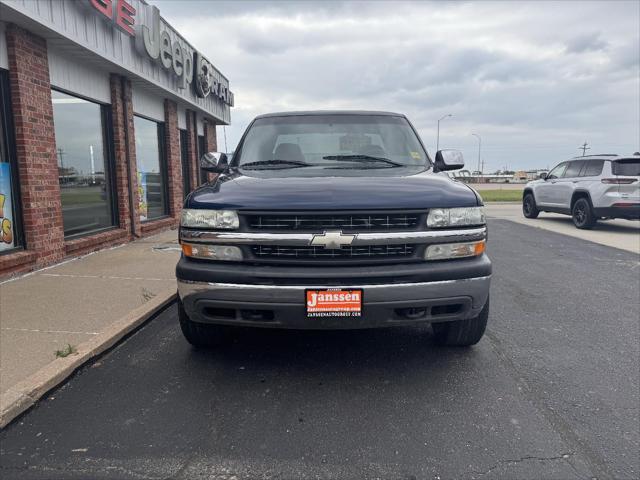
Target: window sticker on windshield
x=354, y=143
x=415, y=155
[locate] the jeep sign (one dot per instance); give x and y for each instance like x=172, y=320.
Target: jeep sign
x=176, y=56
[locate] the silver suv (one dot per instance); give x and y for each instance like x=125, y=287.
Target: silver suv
x=587, y=188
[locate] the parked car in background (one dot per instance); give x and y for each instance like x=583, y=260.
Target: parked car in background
x=587, y=188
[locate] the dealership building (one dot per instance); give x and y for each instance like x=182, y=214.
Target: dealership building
x=105, y=109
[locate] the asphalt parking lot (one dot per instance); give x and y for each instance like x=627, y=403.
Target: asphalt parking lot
x=552, y=391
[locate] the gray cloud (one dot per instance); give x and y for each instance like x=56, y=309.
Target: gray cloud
x=588, y=42
x=534, y=79
x=627, y=56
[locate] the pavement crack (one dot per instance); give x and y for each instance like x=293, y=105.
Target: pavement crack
x=526, y=458
x=594, y=461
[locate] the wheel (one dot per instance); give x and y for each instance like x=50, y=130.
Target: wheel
x=200, y=334
x=529, y=208
x=462, y=333
x=582, y=214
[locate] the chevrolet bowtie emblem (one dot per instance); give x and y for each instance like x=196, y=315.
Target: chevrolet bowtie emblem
x=332, y=240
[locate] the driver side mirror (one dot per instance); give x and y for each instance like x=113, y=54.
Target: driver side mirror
x=216, y=162
x=449, y=160
x=543, y=176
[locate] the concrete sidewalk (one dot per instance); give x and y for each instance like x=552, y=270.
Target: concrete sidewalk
x=79, y=300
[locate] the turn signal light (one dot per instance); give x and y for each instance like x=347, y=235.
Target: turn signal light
x=212, y=252
x=455, y=250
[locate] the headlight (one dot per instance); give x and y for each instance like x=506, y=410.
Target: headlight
x=212, y=252
x=455, y=217
x=195, y=218
x=454, y=250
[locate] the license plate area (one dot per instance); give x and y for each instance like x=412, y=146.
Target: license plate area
x=334, y=302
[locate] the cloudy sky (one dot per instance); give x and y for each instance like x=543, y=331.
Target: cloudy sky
x=533, y=79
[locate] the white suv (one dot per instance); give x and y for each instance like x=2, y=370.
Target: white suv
x=587, y=188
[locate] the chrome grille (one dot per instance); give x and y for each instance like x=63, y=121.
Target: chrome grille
x=313, y=252
x=345, y=222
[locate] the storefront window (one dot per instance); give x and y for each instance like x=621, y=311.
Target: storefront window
x=83, y=169
x=9, y=203
x=151, y=168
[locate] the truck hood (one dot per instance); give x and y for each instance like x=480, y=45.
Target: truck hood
x=415, y=191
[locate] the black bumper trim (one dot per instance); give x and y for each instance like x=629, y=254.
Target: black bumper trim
x=205, y=271
x=632, y=212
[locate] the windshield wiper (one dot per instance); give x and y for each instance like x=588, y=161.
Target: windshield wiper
x=276, y=162
x=362, y=158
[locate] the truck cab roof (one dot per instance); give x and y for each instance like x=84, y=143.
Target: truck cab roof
x=329, y=112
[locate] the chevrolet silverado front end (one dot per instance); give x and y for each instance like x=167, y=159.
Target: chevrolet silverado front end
x=333, y=220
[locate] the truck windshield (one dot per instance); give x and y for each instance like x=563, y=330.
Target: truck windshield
x=331, y=141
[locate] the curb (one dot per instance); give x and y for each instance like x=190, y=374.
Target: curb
x=25, y=394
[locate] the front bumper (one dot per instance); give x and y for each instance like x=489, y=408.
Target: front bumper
x=274, y=297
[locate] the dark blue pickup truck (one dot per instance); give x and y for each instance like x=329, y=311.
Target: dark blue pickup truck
x=329, y=220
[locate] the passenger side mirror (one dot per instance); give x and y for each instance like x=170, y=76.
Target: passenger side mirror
x=216, y=162
x=449, y=160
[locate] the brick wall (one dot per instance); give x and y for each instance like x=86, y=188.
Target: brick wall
x=210, y=140
x=172, y=149
x=192, y=148
x=35, y=148
x=125, y=153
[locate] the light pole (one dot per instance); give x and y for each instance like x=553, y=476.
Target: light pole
x=479, y=147
x=438, y=137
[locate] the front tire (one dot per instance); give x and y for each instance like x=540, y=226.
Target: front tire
x=529, y=207
x=462, y=333
x=582, y=214
x=200, y=334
